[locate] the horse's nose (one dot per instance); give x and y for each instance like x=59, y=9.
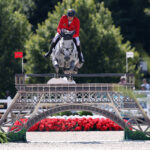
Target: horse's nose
x=67, y=58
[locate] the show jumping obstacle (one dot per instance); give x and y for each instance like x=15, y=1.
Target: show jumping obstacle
x=38, y=101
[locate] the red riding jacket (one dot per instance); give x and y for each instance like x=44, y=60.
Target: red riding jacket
x=75, y=25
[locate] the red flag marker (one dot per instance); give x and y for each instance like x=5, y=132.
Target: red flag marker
x=18, y=54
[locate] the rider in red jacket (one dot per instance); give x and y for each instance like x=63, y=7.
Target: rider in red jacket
x=68, y=22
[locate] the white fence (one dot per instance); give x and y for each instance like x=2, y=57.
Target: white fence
x=144, y=99
x=4, y=104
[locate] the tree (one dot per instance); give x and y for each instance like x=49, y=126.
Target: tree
x=147, y=9
x=26, y=7
x=130, y=16
x=102, y=44
x=35, y=10
x=14, y=30
x=40, y=11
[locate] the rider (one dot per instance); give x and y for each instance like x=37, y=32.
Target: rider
x=68, y=22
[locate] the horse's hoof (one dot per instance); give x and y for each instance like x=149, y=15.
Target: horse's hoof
x=75, y=70
x=79, y=65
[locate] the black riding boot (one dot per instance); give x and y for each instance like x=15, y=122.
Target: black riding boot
x=53, y=44
x=80, y=56
x=50, y=50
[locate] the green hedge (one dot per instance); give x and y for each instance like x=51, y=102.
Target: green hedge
x=3, y=137
x=85, y=113
x=68, y=113
x=135, y=135
x=19, y=136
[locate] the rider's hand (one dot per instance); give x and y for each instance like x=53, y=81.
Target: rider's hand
x=65, y=30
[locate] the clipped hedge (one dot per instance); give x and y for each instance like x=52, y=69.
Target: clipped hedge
x=135, y=135
x=85, y=113
x=19, y=136
x=69, y=113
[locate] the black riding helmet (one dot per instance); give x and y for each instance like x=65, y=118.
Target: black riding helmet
x=71, y=13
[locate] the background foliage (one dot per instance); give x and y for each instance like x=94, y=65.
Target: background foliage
x=14, y=31
x=107, y=26
x=102, y=44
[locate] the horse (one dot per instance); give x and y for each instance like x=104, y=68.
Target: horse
x=65, y=56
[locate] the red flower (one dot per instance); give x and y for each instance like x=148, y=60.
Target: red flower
x=75, y=124
x=41, y=127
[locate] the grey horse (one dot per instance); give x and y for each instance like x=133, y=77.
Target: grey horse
x=65, y=54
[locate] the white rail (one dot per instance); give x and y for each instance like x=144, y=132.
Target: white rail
x=3, y=102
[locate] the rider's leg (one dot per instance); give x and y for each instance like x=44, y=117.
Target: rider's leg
x=80, y=56
x=53, y=44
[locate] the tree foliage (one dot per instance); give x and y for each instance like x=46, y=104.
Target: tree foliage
x=26, y=7
x=40, y=11
x=102, y=44
x=131, y=17
x=101, y=34
x=14, y=30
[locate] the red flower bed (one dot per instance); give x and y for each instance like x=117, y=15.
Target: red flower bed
x=74, y=124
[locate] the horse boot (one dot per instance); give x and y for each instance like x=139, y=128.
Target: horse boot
x=80, y=56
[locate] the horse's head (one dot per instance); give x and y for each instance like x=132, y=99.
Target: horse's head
x=67, y=44
x=67, y=35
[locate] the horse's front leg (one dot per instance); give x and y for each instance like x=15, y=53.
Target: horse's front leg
x=72, y=65
x=55, y=65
